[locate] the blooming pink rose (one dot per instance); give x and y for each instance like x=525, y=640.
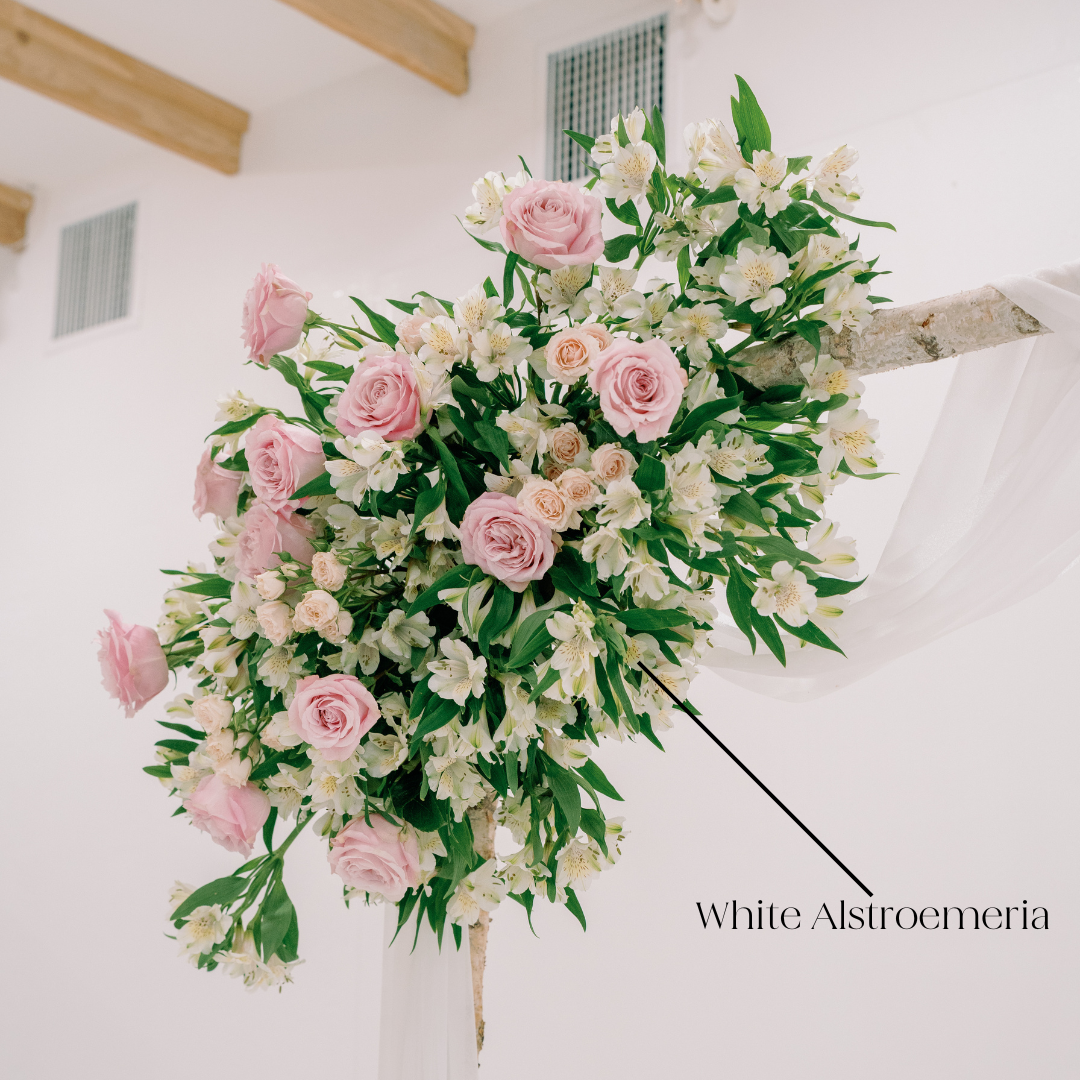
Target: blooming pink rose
x=382, y=398
x=133, y=666
x=266, y=532
x=376, y=858
x=275, y=310
x=552, y=224
x=282, y=458
x=503, y=541
x=640, y=386
x=333, y=713
x=216, y=489
x=231, y=815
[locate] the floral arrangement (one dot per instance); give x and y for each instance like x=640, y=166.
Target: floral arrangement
x=501, y=530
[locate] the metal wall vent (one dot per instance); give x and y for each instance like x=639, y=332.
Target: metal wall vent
x=94, y=283
x=590, y=83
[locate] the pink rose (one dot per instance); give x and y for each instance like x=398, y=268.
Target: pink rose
x=133, y=666
x=640, y=386
x=552, y=224
x=376, y=858
x=231, y=815
x=333, y=713
x=503, y=541
x=275, y=310
x=266, y=532
x=382, y=398
x=216, y=489
x=282, y=458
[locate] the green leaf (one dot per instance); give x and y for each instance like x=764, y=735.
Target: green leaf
x=496, y=440
x=275, y=917
x=627, y=213
x=489, y=289
x=268, y=828
x=682, y=264
x=531, y=637
x=646, y=619
x=708, y=198
x=587, y=142
x=461, y=389
x=181, y=746
x=508, y=278
x=828, y=586
x=214, y=587
x=594, y=825
x=595, y=776
x=223, y=891
x=234, y=427
x=427, y=502
x=742, y=611
x=703, y=414
x=490, y=245
x=439, y=712
x=191, y=732
x=319, y=486
x=809, y=331
x=815, y=197
x=162, y=772
x=498, y=618
x=287, y=950
x=796, y=165
x=619, y=248
x=457, y=498
x=382, y=326
x=750, y=122
x=314, y=403
x=430, y=596
x=565, y=789
x=742, y=506
x=659, y=135
x=812, y=634
x=651, y=474
x=334, y=371
x=766, y=628
x=573, y=905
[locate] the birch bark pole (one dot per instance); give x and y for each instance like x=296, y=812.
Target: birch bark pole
x=899, y=337
x=482, y=819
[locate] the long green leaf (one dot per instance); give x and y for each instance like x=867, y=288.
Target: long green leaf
x=430, y=596
x=321, y=485
x=222, y=891
x=815, y=197
x=566, y=791
x=379, y=323
x=595, y=775
x=275, y=917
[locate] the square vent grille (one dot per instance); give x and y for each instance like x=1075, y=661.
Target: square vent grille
x=94, y=283
x=590, y=83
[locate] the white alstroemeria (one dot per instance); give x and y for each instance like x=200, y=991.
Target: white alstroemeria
x=737, y=456
x=445, y=343
x=814, y=490
x=826, y=376
x=786, y=594
x=437, y=525
x=428, y=846
x=552, y=713
x=645, y=575
x=488, y=193
x=845, y=305
x=642, y=312
x=206, y=927
x=612, y=283
x=699, y=606
x=450, y=774
x=837, y=553
x=694, y=328
x=623, y=505
x=831, y=182
x=626, y=176
x=498, y=350
x=185, y=778
x=240, y=611
x=479, y=891
x=350, y=529
x=708, y=277
x=614, y=835
x=705, y=222
x=368, y=462
x=221, y=652
x=528, y=428
x=279, y=734
x=569, y=753
x=824, y=252
x=578, y=865
x=399, y=635
x=476, y=311
x=459, y=674
x=367, y=651
x=676, y=678
x=234, y=406
x=391, y=540
x=518, y=725
x=180, y=891
x=689, y=480
x=573, y=630
x=756, y=275
x=848, y=434
x=560, y=288
x=383, y=753
x=286, y=790
x=280, y=668
x=606, y=547
x=223, y=546
x=514, y=813
x=760, y=185
x=519, y=873
x=607, y=146
x=332, y=785
x=477, y=737
x=714, y=157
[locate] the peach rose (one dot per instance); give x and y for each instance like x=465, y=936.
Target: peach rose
x=327, y=571
x=232, y=815
x=599, y=332
x=578, y=489
x=542, y=501
x=317, y=609
x=282, y=458
x=552, y=224
x=265, y=534
x=408, y=331
x=216, y=489
x=376, y=858
x=568, y=445
x=570, y=354
x=640, y=386
x=275, y=310
x=610, y=463
x=275, y=621
x=503, y=541
x=134, y=668
x=552, y=469
x=382, y=398
x=333, y=713
x=212, y=712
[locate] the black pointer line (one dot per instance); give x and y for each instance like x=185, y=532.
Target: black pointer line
x=682, y=705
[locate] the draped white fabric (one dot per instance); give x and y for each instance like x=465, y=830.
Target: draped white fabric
x=426, y=1028
x=992, y=515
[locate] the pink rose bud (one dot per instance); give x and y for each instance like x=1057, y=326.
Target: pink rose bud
x=552, y=224
x=500, y=538
x=376, y=858
x=134, y=668
x=275, y=310
x=640, y=386
x=231, y=815
x=382, y=398
x=282, y=458
x=265, y=534
x=216, y=489
x=333, y=713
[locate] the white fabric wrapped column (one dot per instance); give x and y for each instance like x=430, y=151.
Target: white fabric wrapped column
x=426, y=1028
x=1001, y=460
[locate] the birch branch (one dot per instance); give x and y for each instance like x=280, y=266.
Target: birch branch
x=901, y=337
x=482, y=819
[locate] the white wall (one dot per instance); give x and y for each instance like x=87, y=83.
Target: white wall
x=945, y=778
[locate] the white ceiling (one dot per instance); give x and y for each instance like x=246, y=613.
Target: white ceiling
x=253, y=53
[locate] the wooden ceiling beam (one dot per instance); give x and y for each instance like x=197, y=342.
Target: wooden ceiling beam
x=46, y=56
x=14, y=206
x=420, y=35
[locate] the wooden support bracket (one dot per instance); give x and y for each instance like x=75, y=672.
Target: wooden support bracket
x=14, y=207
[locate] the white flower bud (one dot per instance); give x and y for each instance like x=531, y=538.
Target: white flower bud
x=270, y=585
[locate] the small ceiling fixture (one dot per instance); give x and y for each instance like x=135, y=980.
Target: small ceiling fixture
x=718, y=11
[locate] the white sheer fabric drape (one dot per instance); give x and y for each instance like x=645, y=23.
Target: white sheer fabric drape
x=992, y=515
x=426, y=1028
